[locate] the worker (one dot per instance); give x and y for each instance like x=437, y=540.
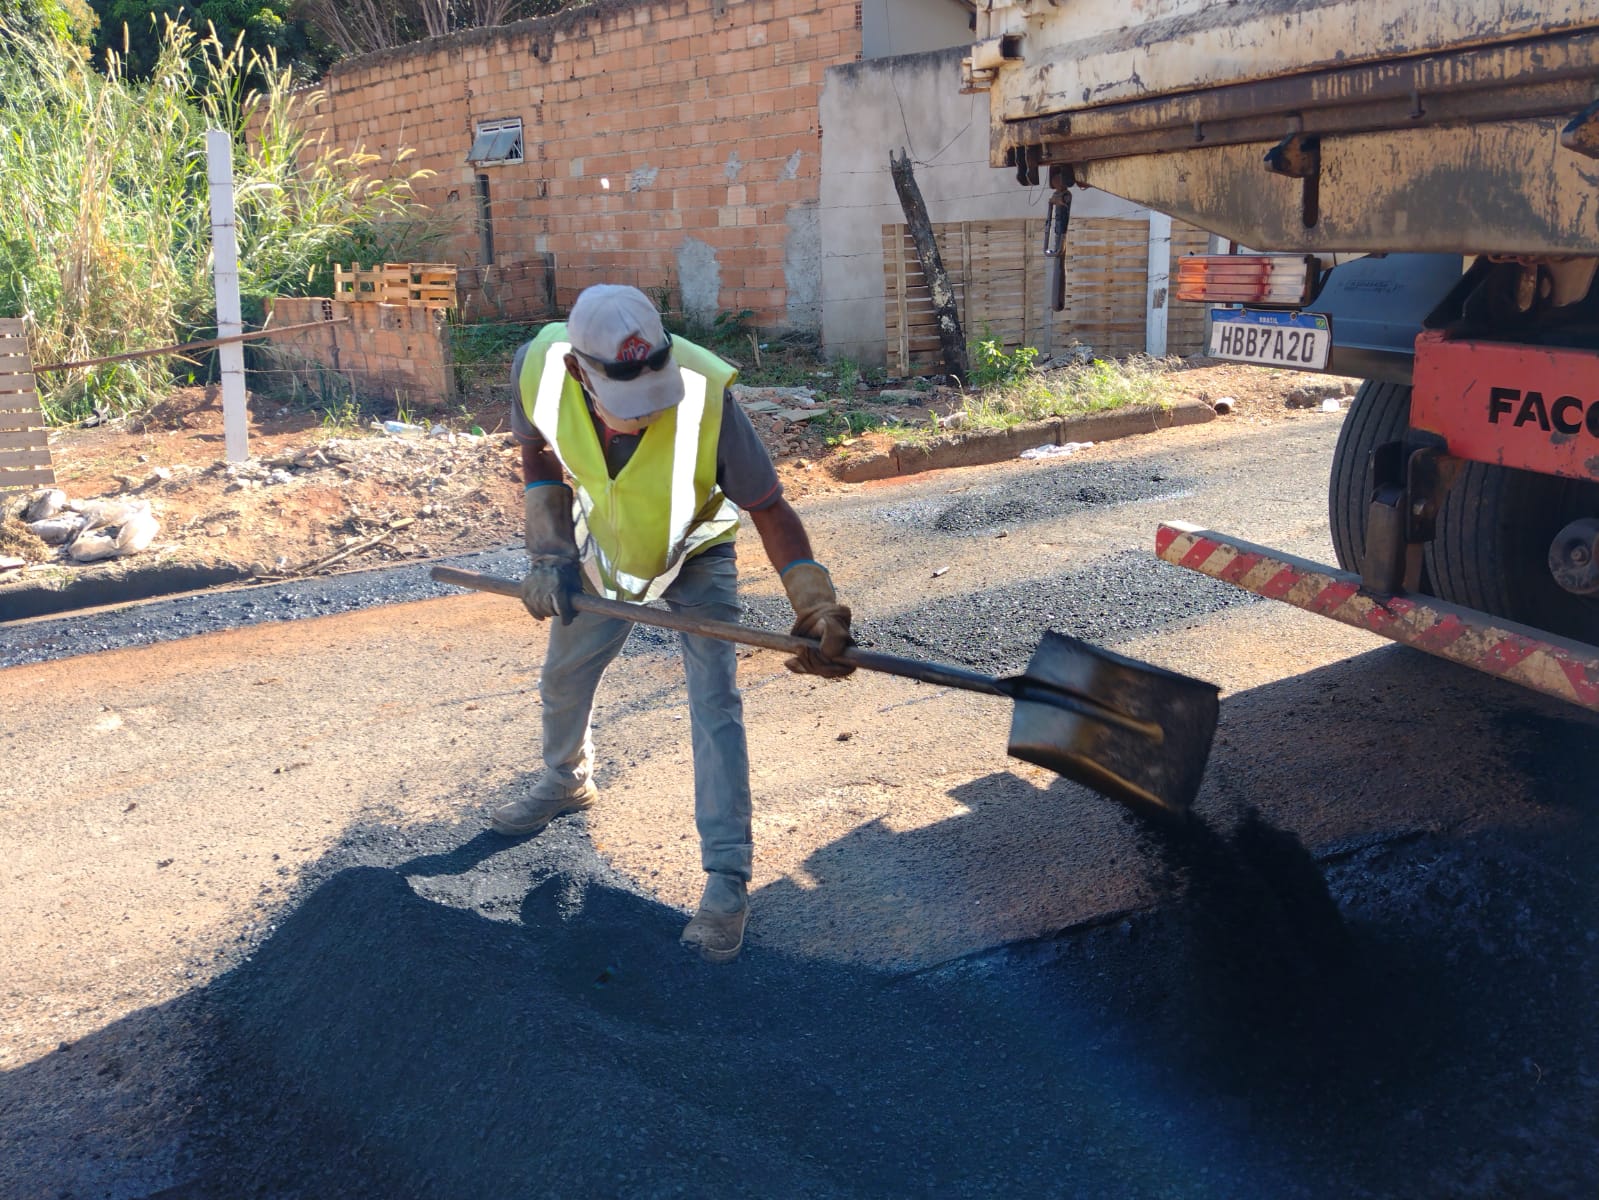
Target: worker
x=661, y=459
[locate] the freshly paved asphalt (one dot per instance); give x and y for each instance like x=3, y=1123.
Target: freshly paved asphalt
x=1365, y=970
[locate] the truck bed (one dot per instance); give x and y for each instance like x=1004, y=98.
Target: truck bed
x=1434, y=127
x=1087, y=53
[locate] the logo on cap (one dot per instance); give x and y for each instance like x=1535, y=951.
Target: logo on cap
x=635, y=349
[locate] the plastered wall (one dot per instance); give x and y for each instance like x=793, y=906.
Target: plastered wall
x=910, y=103
x=672, y=144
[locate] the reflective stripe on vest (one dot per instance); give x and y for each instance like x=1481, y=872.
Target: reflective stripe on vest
x=629, y=551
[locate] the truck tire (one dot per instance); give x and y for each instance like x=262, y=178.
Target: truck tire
x=1380, y=412
x=1494, y=528
x=1492, y=548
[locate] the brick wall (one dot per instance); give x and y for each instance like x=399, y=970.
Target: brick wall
x=668, y=143
x=385, y=351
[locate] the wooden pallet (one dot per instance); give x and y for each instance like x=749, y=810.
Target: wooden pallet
x=1000, y=281
x=419, y=285
x=24, y=440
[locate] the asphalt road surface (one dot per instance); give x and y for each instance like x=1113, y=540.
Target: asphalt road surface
x=258, y=940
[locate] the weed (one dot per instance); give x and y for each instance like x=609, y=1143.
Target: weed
x=341, y=414
x=989, y=364
x=1095, y=386
x=850, y=424
x=847, y=374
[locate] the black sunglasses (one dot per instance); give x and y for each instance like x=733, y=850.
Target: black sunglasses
x=624, y=371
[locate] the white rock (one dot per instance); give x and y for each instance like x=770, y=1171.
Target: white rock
x=57, y=531
x=9, y=563
x=1331, y=404
x=279, y=475
x=46, y=504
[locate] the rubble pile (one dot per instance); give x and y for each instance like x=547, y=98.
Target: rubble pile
x=300, y=510
x=84, y=531
x=446, y=490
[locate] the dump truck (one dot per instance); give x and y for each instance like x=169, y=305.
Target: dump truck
x=1405, y=193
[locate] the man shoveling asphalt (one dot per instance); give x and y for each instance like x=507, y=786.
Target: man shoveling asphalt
x=660, y=460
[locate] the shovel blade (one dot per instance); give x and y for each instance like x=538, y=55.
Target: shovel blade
x=1126, y=765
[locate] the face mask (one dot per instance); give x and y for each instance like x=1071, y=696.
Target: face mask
x=620, y=425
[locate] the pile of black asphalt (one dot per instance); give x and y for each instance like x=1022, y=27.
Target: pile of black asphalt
x=441, y=1012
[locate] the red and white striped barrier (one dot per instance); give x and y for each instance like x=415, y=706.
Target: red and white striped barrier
x=1555, y=666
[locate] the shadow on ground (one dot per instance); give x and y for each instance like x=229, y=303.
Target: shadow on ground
x=442, y=1013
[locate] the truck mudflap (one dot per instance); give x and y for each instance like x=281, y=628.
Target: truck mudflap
x=1558, y=667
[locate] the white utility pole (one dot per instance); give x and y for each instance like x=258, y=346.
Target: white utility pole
x=1159, y=276
x=225, y=273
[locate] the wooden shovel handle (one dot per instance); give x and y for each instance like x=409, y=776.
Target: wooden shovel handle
x=729, y=631
x=1017, y=687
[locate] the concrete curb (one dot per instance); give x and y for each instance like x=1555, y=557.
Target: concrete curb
x=132, y=582
x=978, y=447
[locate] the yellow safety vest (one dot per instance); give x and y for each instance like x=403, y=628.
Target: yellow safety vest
x=635, y=531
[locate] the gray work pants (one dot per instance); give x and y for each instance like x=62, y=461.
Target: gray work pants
x=577, y=657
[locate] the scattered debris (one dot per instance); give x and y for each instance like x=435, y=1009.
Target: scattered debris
x=1055, y=451
x=768, y=399
x=1311, y=395
x=77, y=531
x=46, y=504
x=112, y=534
x=355, y=546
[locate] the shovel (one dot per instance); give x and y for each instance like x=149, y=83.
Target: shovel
x=1133, y=732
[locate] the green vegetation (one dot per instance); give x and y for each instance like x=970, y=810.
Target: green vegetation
x=341, y=413
x=69, y=22
x=989, y=365
x=105, y=230
x=483, y=352
x=268, y=30
x=1094, y=386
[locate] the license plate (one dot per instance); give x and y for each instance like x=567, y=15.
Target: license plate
x=1302, y=341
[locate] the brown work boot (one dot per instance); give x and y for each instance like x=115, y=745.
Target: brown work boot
x=717, y=929
x=544, y=802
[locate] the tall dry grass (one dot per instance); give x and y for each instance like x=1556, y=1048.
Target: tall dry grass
x=104, y=211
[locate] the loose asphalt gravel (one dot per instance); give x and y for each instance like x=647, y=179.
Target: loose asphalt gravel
x=438, y=1014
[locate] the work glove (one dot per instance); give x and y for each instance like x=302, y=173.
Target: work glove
x=819, y=615
x=553, y=574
